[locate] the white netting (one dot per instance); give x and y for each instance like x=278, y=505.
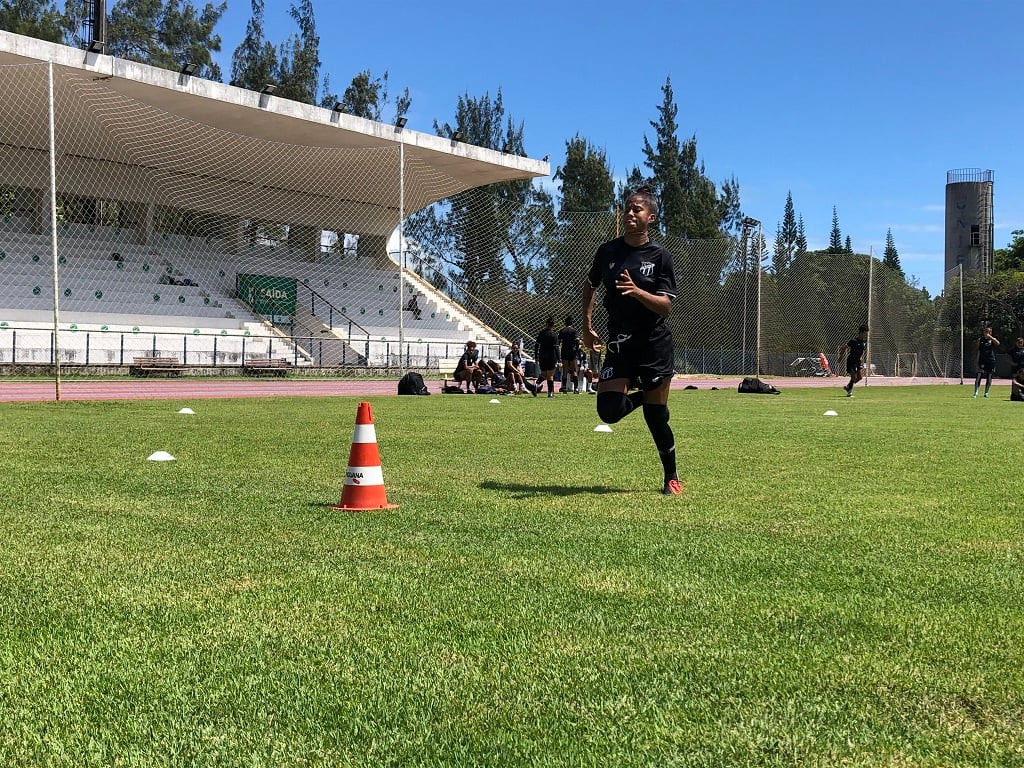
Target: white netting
x=177, y=239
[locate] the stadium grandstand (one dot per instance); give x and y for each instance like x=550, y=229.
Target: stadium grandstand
x=146, y=213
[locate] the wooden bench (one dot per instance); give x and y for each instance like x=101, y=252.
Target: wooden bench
x=446, y=366
x=277, y=366
x=145, y=366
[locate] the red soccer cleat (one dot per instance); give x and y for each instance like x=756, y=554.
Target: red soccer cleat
x=672, y=488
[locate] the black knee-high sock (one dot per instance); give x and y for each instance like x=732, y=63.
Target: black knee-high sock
x=551, y=385
x=656, y=417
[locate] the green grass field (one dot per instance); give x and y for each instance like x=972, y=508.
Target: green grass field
x=829, y=590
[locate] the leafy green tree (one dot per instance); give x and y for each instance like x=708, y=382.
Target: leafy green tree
x=491, y=242
x=891, y=258
x=585, y=181
x=367, y=95
x=165, y=34
x=586, y=210
x=298, y=66
x=835, y=241
x=634, y=180
x=254, y=62
x=1005, y=291
x=1012, y=256
x=34, y=18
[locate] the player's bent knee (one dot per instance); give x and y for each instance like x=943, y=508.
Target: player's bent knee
x=613, y=406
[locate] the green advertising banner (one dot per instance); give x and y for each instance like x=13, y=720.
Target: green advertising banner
x=271, y=296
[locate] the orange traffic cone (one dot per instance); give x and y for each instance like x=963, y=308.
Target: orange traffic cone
x=364, y=480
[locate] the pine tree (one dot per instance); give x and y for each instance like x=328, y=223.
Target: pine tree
x=298, y=67
x=785, y=238
x=691, y=204
x=892, y=257
x=835, y=242
x=849, y=245
x=801, y=237
x=254, y=62
x=779, y=251
x=665, y=162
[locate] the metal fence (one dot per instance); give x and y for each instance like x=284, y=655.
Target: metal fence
x=104, y=254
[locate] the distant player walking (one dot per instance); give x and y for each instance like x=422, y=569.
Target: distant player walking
x=639, y=285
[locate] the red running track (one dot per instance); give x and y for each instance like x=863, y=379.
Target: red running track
x=194, y=388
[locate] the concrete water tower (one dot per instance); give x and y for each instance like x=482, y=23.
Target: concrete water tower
x=969, y=230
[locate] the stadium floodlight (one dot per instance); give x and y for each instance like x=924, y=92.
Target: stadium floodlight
x=268, y=89
x=507, y=147
x=749, y=222
x=400, y=122
x=338, y=107
x=96, y=46
x=189, y=68
x=458, y=135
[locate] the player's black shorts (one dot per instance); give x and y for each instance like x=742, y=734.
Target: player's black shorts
x=987, y=365
x=547, y=362
x=645, y=363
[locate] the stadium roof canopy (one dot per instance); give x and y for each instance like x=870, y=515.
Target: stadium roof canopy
x=161, y=136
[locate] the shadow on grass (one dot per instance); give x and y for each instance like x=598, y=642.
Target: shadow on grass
x=522, y=490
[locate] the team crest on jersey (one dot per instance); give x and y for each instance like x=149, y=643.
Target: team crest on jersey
x=646, y=268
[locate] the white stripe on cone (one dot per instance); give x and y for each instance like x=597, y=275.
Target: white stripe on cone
x=364, y=433
x=364, y=476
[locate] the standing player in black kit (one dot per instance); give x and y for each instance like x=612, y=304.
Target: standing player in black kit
x=639, y=285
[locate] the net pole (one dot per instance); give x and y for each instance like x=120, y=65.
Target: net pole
x=871, y=277
x=401, y=251
x=53, y=237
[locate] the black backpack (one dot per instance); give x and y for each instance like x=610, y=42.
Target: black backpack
x=412, y=384
x=753, y=385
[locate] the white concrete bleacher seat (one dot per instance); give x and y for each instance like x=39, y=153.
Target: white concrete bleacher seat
x=94, y=283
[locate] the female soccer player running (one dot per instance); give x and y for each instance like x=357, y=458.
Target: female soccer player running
x=639, y=285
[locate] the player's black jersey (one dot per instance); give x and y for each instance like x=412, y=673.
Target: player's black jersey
x=650, y=266
x=857, y=347
x=986, y=351
x=568, y=340
x=546, y=344
x=1016, y=358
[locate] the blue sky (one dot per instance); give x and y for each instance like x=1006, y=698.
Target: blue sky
x=862, y=106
